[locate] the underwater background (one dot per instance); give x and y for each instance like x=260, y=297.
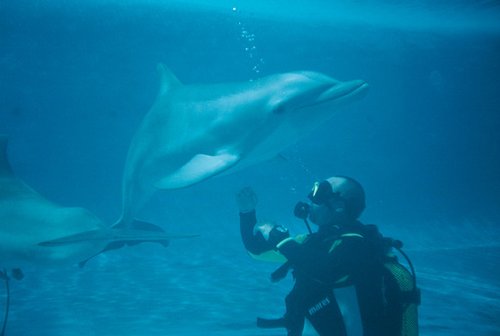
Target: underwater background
x=77, y=77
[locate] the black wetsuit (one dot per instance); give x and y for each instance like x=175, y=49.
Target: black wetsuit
x=254, y=243
x=331, y=258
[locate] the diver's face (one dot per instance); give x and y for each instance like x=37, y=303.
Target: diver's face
x=332, y=213
x=320, y=214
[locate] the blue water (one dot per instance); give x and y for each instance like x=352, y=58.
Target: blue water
x=76, y=79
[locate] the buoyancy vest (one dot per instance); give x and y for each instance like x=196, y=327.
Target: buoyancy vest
x=399, y=284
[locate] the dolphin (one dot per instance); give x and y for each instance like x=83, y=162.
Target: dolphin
x=36, y=231
x=194, y=132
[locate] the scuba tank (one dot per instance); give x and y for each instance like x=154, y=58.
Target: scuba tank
x=408, y=292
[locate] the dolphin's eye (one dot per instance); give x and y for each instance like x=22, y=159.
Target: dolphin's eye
x=280, y=109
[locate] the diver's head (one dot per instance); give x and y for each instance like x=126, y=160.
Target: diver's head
x=336, y=200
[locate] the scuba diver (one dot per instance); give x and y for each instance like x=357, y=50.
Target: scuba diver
x=343, y=260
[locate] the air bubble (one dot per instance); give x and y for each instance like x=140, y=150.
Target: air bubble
x=248, y=39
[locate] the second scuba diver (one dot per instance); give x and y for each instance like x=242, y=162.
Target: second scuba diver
x=379, y=294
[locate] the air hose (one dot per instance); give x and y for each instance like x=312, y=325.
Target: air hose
x=398, y=245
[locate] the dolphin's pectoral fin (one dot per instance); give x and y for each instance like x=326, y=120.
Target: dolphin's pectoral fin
x=199, y=168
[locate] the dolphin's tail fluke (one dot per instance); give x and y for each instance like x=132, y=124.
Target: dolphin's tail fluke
x=140, y=232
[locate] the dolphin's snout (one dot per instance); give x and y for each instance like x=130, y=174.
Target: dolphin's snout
x=360, y=87
x=356, y=86
x=342, y=90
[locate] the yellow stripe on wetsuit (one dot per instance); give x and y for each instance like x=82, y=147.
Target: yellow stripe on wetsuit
x=337, y=242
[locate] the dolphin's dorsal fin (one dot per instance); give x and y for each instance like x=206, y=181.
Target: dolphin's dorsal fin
x=168, y=79
x=4, y=162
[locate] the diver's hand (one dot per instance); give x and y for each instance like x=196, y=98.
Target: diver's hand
x=246, y=199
